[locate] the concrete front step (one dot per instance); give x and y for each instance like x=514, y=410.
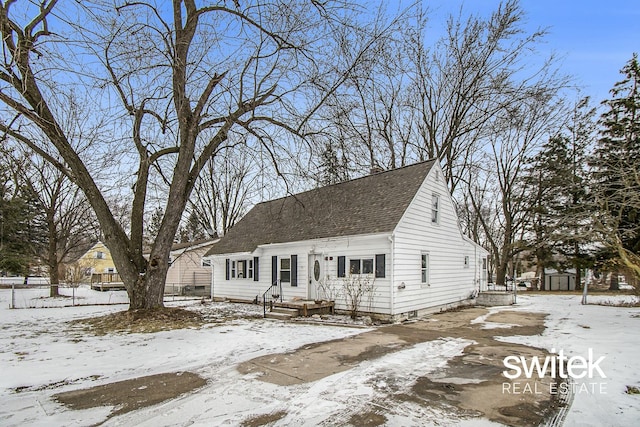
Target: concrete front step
x=293, y=312
x=278, y=316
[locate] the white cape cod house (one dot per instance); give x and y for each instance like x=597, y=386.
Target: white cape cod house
x=396, y=230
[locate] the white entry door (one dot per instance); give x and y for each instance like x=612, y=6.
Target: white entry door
x=316, y=273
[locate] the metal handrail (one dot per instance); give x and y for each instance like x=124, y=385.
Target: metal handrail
x=273, y=293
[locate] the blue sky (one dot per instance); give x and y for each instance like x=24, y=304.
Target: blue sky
x=594, y=38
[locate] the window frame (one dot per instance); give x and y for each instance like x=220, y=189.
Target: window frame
x=467, y=261
x=435, y=208
x=380, y=266
x=240, y=269
x=370, y=264
x=425, y=269
x=341, y=269
x=360, y=266
x=284, y=270
x=241, y=265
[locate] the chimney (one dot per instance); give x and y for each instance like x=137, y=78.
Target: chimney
x=375, y=169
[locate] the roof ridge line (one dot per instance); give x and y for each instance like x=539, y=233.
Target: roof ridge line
x=348, y=181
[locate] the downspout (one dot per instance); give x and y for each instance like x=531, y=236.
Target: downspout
x=212, y=276
x=392, y=286
x=476, y=281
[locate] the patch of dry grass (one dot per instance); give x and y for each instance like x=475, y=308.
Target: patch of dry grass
x=129, y=395
x=142, y=321
x=264, y=420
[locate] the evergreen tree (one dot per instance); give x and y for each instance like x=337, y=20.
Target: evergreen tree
x=14, y=250
x=574, y=232
x=616, y=170
x=543, y=187
x=22, y=228
x=561, y=207
x=192, y=230
x=333, y=170
x=154, y=224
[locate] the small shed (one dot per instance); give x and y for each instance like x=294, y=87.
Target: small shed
x=555, y=280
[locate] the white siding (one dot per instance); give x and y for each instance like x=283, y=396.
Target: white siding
x=449, y=281
x=355, y=247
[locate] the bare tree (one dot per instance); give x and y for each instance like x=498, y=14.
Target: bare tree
x=420, y=98
x=63, y=208
x=468, y=78
x=498, y=193
x=176, y=81
x=68, y=216
x=228, y=185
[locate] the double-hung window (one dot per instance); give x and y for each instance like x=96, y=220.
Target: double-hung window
x=435, y=208
x=424, y=270
x=285, y=270
x=242, y=269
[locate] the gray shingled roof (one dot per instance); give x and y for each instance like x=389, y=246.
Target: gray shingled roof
x=371, y=204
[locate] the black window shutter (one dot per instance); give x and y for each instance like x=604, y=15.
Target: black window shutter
x=244, y=269
x=255, y=269
x=380, y=265
x=227, y=269
x=274, y=269
x=294, y=270
x=341, y=266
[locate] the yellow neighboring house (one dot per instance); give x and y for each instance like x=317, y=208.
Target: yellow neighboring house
x=95, y=265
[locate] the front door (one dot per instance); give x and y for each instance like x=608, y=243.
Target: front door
x=315, y=276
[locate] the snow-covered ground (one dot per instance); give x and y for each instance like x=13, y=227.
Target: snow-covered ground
x=609, y=332
x=41, y=355
x=38, y=297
